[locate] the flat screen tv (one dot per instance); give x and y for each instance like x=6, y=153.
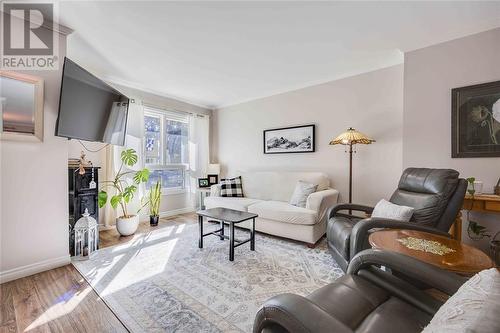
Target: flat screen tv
x=89, y=109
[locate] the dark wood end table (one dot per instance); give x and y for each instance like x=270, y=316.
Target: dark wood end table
x=464, y=260
x=230, y=217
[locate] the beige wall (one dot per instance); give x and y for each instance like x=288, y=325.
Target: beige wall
x=370, y=102
x=430, y=74
x=34, y=214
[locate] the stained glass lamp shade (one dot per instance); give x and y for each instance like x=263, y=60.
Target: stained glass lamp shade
x=351, y=137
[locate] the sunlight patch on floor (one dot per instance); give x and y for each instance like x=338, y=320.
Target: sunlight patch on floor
x=140, y=238
x=66, y=303
x=180, y=229
x=136, y=267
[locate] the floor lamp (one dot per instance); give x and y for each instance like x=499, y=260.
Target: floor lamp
x=351, y=138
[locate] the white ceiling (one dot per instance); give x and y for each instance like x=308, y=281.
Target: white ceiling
x=215, y=54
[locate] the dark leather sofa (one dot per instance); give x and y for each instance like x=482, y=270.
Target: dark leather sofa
x=366, y=299
x=436, y=194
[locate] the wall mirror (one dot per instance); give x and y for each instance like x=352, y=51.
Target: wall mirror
x=21, y=98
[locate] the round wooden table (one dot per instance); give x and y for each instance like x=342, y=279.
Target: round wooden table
x=466, y=260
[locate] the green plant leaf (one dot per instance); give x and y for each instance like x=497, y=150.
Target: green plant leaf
x=129, y=157
x=102, y=198
x=115, y=200
x=128, y=193
x=471, y=180
x=154, y=199
x=141, y=176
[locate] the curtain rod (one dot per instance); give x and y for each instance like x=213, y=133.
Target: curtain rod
x=169, y=109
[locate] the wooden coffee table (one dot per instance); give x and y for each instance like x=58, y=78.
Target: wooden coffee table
x=231, y=217
x=465, y=259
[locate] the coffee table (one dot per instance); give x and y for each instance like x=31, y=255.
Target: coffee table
x=464, y=259
x=230, y=217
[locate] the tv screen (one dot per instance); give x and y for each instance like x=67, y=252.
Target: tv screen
x=89, y=109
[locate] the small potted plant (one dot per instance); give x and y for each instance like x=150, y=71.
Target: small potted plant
x=124, y=190
x=474, y=229
x=154, y=204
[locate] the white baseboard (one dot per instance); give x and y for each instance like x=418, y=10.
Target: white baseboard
x=45, y=265
x=177, y=212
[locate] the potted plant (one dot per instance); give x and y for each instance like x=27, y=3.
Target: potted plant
x=154, y=204
x=127, y=223
x=474, y=229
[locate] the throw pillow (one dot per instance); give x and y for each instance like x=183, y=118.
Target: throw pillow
x=231, y=187
x=301, y=192
x=386, y=209
x=473, y=308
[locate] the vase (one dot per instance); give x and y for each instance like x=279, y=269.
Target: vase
x=153, y=220
x=127, y=226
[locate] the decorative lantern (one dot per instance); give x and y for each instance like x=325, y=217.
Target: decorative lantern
x=85, y=236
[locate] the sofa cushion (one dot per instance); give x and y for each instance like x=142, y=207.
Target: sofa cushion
x=279, y=185
x=284, y=212
x=231, y=187
x=473, y=308
x=386, y=209
x=301, y=193
x=240, y=204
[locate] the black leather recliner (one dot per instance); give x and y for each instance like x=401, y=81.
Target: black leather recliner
x=367, y=299
x=436, y=194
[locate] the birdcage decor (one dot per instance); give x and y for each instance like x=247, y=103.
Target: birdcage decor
x=86, y=234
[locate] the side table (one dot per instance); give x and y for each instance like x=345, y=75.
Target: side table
x=203, y=192
x=460, y=258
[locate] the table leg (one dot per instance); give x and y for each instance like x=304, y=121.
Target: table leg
x=222, y=231
x=252, y=236
x=456, y=228
x=231, y=241
x=200, y=224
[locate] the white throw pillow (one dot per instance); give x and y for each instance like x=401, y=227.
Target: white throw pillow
x=475, y=307
x=301, y=192
x=388, y=210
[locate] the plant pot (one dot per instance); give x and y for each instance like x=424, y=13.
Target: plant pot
x=127, y=226
x=153, y=220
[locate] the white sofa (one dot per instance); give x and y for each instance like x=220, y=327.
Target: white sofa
x=267, y=194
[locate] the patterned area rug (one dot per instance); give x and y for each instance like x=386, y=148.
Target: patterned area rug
x=162, y=282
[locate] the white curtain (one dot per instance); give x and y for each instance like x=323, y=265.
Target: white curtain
x=133, y=140
x=198, y=151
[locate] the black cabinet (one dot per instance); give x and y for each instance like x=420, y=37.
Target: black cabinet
x=81, y=196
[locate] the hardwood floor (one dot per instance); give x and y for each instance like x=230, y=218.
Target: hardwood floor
x=60, y=300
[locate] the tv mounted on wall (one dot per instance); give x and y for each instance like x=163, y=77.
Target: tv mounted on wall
x=90, y=109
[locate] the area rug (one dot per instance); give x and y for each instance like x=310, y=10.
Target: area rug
x=162, y=282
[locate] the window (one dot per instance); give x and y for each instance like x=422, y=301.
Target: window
x=166, y=148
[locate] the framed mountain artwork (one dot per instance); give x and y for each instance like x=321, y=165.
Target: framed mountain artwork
x=475, y=121
x=296, y=139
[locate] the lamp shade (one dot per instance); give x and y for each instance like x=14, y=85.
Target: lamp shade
x=351, y=136
x=213, y=169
